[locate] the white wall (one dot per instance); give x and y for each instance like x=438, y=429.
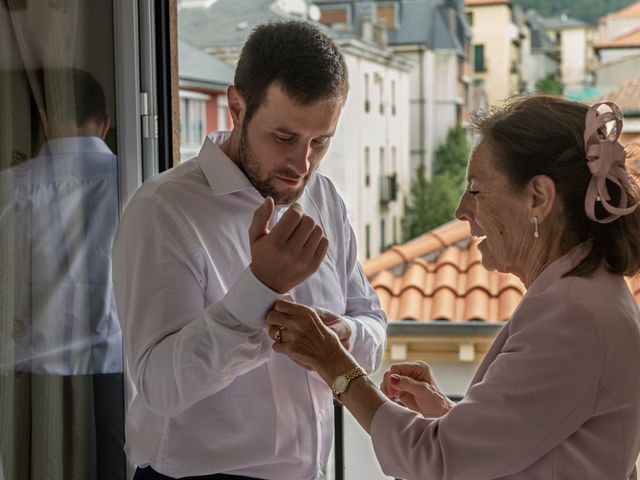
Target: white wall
x=574, y=57
x=493, y=28
x=344, y=163
x=615, y=54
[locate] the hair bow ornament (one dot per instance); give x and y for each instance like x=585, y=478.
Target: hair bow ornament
x=605, y=159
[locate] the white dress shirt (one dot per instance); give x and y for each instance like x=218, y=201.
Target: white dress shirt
x=212, y=396
x=61, y=221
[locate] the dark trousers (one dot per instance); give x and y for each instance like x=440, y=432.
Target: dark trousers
x=149, y=473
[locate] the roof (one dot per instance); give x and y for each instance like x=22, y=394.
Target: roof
x=227, y=22
x=420, y=22
x=627, y=96
x=479, y=3
x=628, y=40
x=632, y=11
x=563, y=21
x=539, y=38
x=198, y=68
x=428, y=280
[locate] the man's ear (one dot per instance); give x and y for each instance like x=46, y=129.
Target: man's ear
x=237, y=106
x=542, y=194
x=104, y=127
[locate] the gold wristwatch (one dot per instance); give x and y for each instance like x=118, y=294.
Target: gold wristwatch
x=341, y=383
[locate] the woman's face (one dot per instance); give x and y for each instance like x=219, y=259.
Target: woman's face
x=496, y=212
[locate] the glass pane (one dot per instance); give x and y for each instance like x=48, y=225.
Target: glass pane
x=61, y=382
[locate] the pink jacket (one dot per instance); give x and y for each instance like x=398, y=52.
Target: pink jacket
x=556, y=397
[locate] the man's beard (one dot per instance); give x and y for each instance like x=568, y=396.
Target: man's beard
x=250, y=165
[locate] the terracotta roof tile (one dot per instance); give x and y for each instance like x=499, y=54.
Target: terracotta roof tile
x=429, y=242
x=626, y=95
x=631, y=11
x=628, y=40
x=446, y=281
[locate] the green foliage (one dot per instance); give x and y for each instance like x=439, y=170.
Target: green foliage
x=432, y=203
x=452, y=155
x=585, y=10
x=549, y=84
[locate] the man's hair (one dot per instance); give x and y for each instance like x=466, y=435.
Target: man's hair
x=298, y=57
x=89, y=103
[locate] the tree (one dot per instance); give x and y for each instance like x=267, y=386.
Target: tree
x=550, y=84
x=432, y=203
x=452, y=155
x=586, y=10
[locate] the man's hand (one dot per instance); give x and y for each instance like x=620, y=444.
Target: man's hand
x=335, y=323
x=288, y=254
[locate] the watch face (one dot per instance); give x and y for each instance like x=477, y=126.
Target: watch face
x=341, y=383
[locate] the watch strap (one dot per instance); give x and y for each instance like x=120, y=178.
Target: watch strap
x=349, y=376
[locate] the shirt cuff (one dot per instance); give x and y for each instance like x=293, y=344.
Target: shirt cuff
x=354, y=329
x=249, y=300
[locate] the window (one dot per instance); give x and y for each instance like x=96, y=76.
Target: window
x=470, y=18
x=367, y=166
x=395, y=230
x=393, y=97
x=223, y=113
x=381, y=87
x=366, y=92
x=331, y=16
x=393, y=159
x=367, y=240
x=62, y=403
x=383, y=227
x=193, y=122
x=386, y=14
x=478, y=58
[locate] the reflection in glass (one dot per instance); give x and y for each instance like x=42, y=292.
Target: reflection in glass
x=61, y=382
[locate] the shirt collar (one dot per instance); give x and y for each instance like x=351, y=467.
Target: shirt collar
x=223, y=175
x=74, y=146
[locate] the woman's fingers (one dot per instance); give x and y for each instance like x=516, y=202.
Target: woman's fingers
x=400, y=383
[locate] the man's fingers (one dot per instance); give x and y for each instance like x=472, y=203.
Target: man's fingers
x=321, y=251
x=302, y=232
x=260, y=222
x=314, y=239
x=287, y=224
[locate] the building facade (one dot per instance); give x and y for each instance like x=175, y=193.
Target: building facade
x=497, y=57
x=434, y=35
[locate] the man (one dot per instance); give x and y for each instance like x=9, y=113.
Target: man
x=204, y=251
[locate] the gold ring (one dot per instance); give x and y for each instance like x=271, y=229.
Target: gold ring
x=277, y=335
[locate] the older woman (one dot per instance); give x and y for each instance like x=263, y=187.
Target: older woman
x=558, y=394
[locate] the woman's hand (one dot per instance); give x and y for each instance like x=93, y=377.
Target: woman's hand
x=413, y=384
x=301, y=334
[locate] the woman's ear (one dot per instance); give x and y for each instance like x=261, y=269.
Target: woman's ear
x=542, y=194
x=237, y=106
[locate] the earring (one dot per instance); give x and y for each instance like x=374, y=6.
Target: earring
x=536, y=232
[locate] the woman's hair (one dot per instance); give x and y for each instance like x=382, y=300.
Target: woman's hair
x=543, y=135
